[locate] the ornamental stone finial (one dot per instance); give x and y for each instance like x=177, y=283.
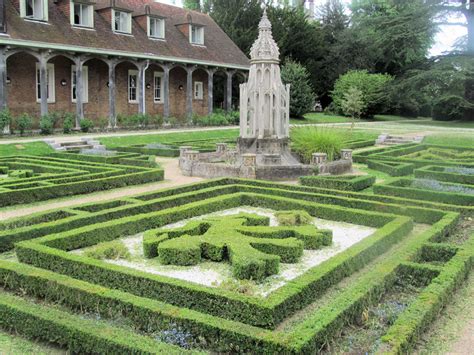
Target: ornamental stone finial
x=265, y=47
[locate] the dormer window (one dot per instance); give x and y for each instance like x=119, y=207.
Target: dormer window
x=122, y=21
x=196, y=34
x=82, y=14
x=34, y=9
x=156, y=27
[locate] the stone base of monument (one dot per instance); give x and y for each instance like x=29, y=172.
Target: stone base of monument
x=265, y=159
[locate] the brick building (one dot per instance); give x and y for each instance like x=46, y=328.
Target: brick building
x=107, y=57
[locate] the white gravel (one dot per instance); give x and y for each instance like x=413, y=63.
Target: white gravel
x=213, y=274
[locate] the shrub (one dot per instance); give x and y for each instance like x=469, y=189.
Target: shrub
x=308, y=140
x=5, y=119
x=68, y=124
x=46, y=125
x=293, y=218
x=215, y=119
x=114, y=250
x=102, y=123
x=156, y=120
x=448, y=108
x=86, y=125
x=301, y=93
x=371, y=85
x=24, y=122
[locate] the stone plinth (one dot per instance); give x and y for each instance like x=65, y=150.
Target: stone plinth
x=346, y=154
x=318, y=158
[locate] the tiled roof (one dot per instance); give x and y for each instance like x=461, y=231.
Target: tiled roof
x=219, y=48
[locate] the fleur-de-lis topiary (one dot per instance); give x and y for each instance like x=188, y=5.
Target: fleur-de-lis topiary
x=254, y=249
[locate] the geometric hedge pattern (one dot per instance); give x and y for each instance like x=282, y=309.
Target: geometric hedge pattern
x=253, y=249
x=298, y=317
x=29, y=179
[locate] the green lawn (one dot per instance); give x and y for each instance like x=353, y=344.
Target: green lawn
x=113, y=142
x=33, y=148
x=13, y=344
x=458, y=139
x=320, y=117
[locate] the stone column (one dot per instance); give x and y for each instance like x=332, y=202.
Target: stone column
x=3, y=84
x=189, y=93
x=78, y=62
x=112, y=113
x=43, y=64
x=166, y=92
x=142, y=67
x=228, y=106
x=210, y=90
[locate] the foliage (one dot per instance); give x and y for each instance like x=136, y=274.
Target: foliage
x=5, y=119
x=192, y=4
x=68, y=123
x=345, y=182
x=293, y=218
x=308, y=140
x=46, y=124
x=353, y=104
x=372, y=88
x=24, y=123
x=113, y=250
x=301, y=94
x=449, y=108
x=217, y=118
x=86, y=125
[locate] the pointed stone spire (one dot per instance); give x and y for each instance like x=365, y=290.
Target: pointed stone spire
x=265, y=48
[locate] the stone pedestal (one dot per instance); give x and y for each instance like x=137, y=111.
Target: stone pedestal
x=271, y=159
x=221, y=148
x=346, y=154
x=318, y=158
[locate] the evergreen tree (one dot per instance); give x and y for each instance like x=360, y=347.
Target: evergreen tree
x=301, y=94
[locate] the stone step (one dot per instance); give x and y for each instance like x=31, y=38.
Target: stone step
x=78, y=147
x=67, y=144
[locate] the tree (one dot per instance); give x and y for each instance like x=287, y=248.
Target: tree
x=353, y=104
x=372, y=87
x=192, y=4
x=464, y=8
x=399, y=33
x=301, y=94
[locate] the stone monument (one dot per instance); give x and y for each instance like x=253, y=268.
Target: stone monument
x=263, y=150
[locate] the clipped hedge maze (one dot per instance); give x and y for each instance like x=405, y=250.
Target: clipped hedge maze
x=28, y=179
x=411, y=238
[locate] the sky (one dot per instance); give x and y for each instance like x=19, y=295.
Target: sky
x=445, y=38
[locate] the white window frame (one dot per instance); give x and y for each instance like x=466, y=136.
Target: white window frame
x=200, y=40
x=128, y=26
x=85, y=83
x=87, y=10
x=198, y=90
x=129, y=87
x=157, y=75
x=40, y=10
x=51, y=83
x=161, y=26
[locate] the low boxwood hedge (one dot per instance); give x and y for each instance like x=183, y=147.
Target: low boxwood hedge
x=345, y=182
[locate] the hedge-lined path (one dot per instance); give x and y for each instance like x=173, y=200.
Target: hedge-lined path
x=173, y=178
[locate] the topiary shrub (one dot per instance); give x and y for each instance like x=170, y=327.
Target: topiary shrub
x=86, y=125
x=113, y=250
x=5, y=119
x=448, y=108
x=293, y=218
x=24, y=122
x=46, y=125
x=68, y=123
x=301, y=93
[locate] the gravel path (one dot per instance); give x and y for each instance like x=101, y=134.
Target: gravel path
x=173, y=178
